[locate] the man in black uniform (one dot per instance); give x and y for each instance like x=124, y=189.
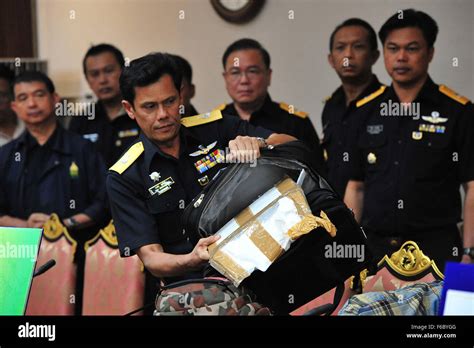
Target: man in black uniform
x=414, y=151
x=188, y=90
x=167, y=166
x=48, y=169
x=247, y=76
x=111, y=129
x=10, y=127
x=353, y=52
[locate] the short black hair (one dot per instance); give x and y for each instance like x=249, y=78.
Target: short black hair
x=102, y=48
x=186, y=69
x=246, y=44
x=147, y=70
x=359, y=23
x=34, y=76
x=411, y=18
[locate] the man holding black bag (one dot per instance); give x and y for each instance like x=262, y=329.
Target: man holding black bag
x=168, y=165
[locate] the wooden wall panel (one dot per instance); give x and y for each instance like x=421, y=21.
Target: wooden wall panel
x=16, y=28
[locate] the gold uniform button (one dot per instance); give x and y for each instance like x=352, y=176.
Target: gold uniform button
x=325, y=154
x=371, y=158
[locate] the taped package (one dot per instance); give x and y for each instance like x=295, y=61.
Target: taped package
x=263, y=231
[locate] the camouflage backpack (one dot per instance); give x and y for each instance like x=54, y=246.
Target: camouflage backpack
x=209, y=296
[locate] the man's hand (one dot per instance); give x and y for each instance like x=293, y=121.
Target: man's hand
x=37, y=220
x=354, y=198
x=200, y=254
x=466, y=259
x=244, y=149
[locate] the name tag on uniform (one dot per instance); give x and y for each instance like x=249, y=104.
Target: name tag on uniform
x=161, y=187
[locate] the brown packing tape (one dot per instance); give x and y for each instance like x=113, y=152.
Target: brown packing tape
x=212, y=249
x=260, y=237
x=309, y=223
x=300, y=202
x=265, y=242
x=244, y=216
x=241, y=219
x=285, y=186
x=224, y=264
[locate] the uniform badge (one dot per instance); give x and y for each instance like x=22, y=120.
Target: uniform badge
x=74, y=170
x=203, y=150
x=128, y=133
x=434, y=118
x=371, y=158
x=204, y=180
x=206, y=163
x=161, y=187
x=416, y=135
x=431, y=128
x=92, y=137
x=375, y=129
x=155, y=176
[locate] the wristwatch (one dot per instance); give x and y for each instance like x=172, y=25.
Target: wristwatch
x=469, y=252
x=264, y=144
x=70, y=222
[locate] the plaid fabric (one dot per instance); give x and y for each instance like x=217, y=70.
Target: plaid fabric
x=417, y=299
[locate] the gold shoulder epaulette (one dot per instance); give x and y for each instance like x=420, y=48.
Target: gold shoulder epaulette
x=128, y=158
x=198, y=120
x=220, y=107
x=325, y=100
x=293, y=110
x=372, y=96
x=453, y=95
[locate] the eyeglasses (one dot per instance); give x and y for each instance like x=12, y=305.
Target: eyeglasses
x=251, y=73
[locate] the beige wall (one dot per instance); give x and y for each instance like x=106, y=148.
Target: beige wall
x=301, y=75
